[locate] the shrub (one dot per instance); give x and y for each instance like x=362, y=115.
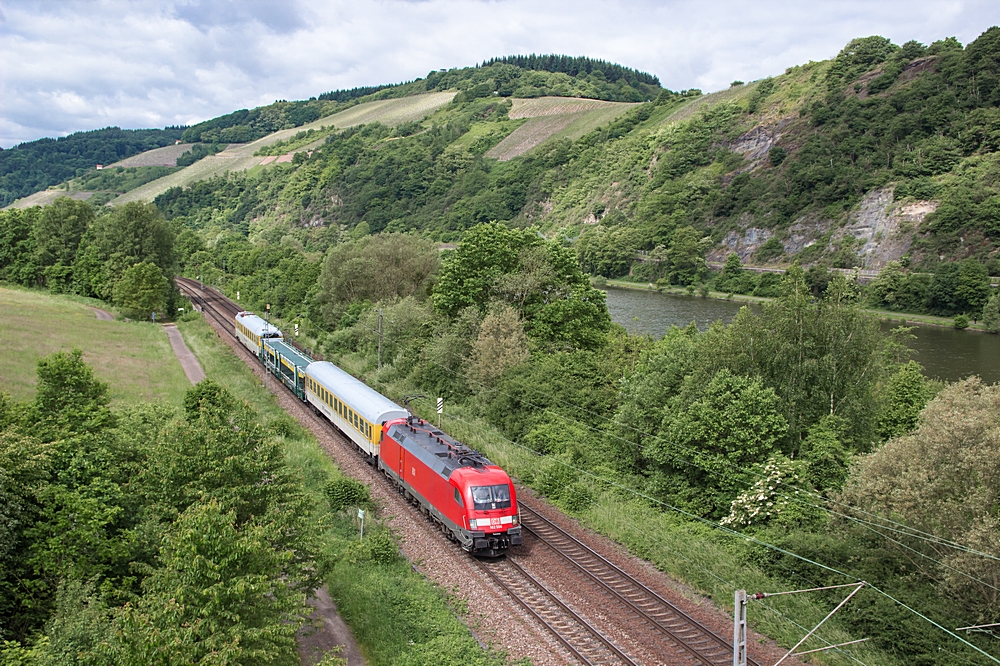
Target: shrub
x=962, y=321
x=379, y=547
x=344, y=492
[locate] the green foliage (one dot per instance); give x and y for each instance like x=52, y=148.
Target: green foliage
x=962, y=321
x=141, y=291
x=218, y=591
x=942, y=479
x=704, y=444
x=248, y=125
x=991, y=314
x=825, y=454
x=345, y=492
x=686, y=257
x=131, y=234
x=376, y=268
x=903, y=398
x=69, y=399
x=537, y=277
x=608, y=251
x=207, y=396
x=770, y=250
x=199, y=151
x=35, y=165
x=540, y=75
x=118, y=180
x=469, y=274
x=17, y=245
x=378, y=547
x=59, y=230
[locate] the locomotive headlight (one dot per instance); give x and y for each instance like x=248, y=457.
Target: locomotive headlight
x=513, y=520
x=472, y=523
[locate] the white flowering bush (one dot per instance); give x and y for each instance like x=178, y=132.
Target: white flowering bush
x=767, y=498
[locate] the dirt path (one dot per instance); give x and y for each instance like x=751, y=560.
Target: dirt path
x=103, y=315
x=326, y=631
x=192, y=368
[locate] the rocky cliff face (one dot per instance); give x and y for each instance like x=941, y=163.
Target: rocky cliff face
x=882, y=230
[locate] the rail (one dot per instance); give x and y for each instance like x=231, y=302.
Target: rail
x=665, y=618
x=579, y=637
x=576, y=634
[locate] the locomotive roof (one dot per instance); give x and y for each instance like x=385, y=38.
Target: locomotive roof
x=360, y=397
x=440, y=452
x=257, y=325
x=294, y=356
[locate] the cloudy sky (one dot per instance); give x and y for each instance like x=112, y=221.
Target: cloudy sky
x=69, y=65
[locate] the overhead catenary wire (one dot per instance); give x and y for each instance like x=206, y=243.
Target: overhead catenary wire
x=747, y=537
x=917, y=534
x=729, y=584
x=710, y=471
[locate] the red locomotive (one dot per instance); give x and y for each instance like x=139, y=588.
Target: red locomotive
x=472, y=499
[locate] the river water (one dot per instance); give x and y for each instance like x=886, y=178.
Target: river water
x=945, y=353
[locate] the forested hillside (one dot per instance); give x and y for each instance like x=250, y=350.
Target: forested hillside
x=883, y=154
x=35, y=165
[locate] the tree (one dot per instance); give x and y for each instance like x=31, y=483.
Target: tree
x=375, y=268
x=991, y=314
x=903, y=398
x=687, y=257
x=731, y=279
x=141, y=291
x=17, y=245
x=469, y=274
x=69, y=397
x=821, y=358
x=131, y=234
x=501, y=344
x=943, y=479
x=973, y=289
x=221, y=594
x=59, y=230
x=705, y=447
x=885, y=289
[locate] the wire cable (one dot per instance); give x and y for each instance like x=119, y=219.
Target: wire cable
x=747, y=537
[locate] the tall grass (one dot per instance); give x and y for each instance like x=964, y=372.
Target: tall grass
x=135, y=358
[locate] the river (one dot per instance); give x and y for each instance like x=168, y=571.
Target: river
x=946, y=354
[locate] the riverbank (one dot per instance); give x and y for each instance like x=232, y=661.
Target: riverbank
x=904, y=318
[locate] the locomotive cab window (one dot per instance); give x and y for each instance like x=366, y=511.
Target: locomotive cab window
x=490, y=497
x=458, y=498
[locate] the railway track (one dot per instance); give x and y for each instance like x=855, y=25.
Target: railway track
x=701, y=644
x=575, y=634
x=578, y=636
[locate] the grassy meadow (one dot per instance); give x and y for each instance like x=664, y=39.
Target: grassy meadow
x=135, y=358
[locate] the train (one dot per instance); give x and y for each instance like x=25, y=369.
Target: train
x=469, y=498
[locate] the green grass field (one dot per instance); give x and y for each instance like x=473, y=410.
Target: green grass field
x=135, y=358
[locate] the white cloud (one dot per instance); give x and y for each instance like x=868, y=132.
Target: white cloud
x=83, y=64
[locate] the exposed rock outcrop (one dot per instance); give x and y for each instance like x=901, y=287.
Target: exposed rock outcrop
x=884, y=228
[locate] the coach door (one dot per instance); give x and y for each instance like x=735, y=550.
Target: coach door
x=402, y=475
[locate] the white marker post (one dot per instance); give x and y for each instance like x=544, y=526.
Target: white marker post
x=440, y=410
x=361, y=515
